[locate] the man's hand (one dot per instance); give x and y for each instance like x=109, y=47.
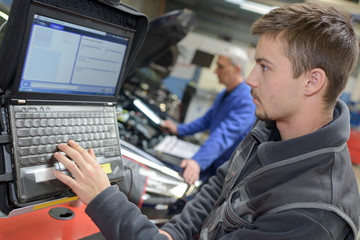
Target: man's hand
x=89, y=178
x=168, y=125
x=166, y=234
x=191, y=170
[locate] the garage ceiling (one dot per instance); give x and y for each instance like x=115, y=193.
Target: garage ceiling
x=225, y=20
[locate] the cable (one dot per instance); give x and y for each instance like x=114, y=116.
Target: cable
x=2, y=25
x=111, y=2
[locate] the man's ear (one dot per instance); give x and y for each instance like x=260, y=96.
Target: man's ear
x=315, y=81
x=238, y=68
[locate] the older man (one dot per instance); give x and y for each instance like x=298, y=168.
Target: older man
x=228, y=120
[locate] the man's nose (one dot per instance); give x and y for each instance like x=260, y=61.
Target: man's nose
x=252, y=79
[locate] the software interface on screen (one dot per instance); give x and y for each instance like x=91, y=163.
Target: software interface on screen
x=63, y=57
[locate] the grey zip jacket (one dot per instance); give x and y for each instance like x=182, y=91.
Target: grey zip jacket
x=303, y=188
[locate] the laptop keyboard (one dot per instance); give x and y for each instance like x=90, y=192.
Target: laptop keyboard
x=39, y=134
x=37, y=130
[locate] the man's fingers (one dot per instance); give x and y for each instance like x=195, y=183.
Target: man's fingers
x=65, y=178
x=191, y=171
x=188, y=175
x=89, y=179
x=92, y=153
x=74, y=151
x=85, y=154
x=69, y=165
x=183, y=163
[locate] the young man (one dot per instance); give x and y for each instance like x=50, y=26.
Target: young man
x=291, y=177
x=229, y=119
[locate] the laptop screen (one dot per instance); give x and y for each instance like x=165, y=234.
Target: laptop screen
x=68, y=57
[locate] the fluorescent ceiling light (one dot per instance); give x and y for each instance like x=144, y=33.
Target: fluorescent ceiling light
x=4, y=16
x=252, y=6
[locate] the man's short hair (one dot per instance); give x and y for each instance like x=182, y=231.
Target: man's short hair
x=237, y=56
x=314, y=35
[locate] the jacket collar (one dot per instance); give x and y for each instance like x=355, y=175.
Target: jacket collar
x=235, y=91
x=270, y=151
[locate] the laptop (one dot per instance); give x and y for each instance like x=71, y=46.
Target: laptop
x=70, y=72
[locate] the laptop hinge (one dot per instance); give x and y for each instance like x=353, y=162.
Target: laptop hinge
x=21, y=101
x=7, y=177
x=4, y=138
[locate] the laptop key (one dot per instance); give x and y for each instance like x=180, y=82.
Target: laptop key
x=23, y=132
x=25, y=142
x=20, y=123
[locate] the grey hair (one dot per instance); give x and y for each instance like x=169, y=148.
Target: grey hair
x=237, y=56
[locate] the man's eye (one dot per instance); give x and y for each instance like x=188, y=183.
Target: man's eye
x=264, y=68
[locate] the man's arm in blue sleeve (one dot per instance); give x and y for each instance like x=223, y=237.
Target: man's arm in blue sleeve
x=198, y=125
x=232, y=126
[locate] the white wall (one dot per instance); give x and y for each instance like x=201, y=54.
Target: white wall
x=184, y=69
x=355, y=86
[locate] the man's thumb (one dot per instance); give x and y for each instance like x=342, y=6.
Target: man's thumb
x=183, y=163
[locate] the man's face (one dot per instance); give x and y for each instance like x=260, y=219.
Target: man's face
x=225, y=70
x=275, y=92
